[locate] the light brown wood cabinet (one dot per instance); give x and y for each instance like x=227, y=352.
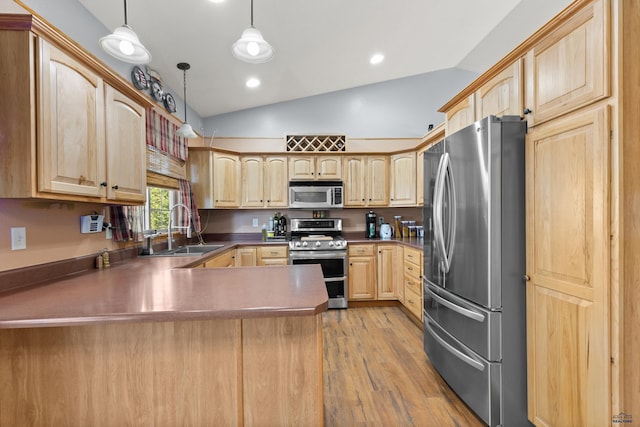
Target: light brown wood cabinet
x=389, y=265
x=71, y=129
x=246, y=256
x=403, y=179
x=362, y=272
x=461, y=114
x=366, y=181
x=412, y=275
x=226, y=259
x=313, y=167
x=264, y=181
x=226, y=180
x=569, y=68
x=568, y=243
x=273, y=255
x=503, y=94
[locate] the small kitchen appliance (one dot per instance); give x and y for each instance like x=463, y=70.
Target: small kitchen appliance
x=370, y=218
x=317, y=195
x=385, y=231
x=320, y=241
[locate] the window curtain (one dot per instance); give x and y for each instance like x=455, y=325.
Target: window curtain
x=186, y=197
x=127, y=223
x=161, y=134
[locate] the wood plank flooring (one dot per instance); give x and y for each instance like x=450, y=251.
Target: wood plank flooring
x=377, y=374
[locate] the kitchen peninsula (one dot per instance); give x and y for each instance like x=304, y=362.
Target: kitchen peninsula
x=147, y=342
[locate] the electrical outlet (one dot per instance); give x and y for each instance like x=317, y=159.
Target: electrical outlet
x=255, y=222
x=381, y=218
x=18, y=238
x=108, y=233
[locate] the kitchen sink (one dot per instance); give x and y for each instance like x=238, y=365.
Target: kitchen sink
x=189, y=250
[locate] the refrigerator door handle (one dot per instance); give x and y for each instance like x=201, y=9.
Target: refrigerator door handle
x=438, y=193
x=447, y=179
x=457, y=353
x=478, y=317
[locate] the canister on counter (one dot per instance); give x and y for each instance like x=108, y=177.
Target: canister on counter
x=405, y=228
x=413, y=231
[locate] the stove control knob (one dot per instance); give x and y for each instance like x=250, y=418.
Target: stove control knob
x=318, y=243
x=297, y=244
x=330, y=244
x=304, y=244
x=338, y=243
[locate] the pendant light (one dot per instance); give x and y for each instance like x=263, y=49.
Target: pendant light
x=251, y=46
x=124, y=44
x=185, y=131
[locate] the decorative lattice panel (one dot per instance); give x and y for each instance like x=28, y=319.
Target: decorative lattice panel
x=316, y=143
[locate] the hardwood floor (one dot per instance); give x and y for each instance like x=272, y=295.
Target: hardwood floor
x=377, y=374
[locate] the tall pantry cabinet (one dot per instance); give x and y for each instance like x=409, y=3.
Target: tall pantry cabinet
x=581, y=89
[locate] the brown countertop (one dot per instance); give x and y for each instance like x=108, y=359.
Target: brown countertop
x=156, y=289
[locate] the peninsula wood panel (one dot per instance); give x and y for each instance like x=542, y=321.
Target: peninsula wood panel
x=568, y=252
x=284, y=388
x=135, y=374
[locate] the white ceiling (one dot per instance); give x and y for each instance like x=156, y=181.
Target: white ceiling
x=321, y=46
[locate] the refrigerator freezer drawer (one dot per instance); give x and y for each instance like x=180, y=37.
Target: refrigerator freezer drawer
x=478, y=328
x=475, y=380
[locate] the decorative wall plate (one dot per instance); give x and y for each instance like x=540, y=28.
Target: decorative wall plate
x=169, y=103
x=156, y=91
x=139, y=78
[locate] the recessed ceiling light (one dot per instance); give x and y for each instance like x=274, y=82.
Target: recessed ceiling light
x=217, y=1
x=253, y=82
x=376, y=59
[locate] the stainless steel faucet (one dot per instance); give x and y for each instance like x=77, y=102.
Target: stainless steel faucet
x=170, y=227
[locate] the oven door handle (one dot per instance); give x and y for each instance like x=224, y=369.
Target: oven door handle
x=296, y=255
x=335, y=279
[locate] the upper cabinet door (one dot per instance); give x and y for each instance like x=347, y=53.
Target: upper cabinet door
x=302, y=167
x=329, y=167
x=71, y=139
x=377, y=182
x=503, y=94
x=226, y=181
x=403, y=179
x=126, y=148
x=354, y=181
x=276, y=184
x=252, y=181
x=461, y=115
x=569, y=68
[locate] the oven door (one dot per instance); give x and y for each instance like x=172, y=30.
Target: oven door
x=334, y=270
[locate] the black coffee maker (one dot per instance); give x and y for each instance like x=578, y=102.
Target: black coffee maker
x=370, y=232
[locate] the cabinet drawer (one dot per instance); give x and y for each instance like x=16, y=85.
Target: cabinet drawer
x=226, y=259
x=361, y=250
x=273, y=252
x=413, y=302
x=413, y=256
x=415, y=285
x=413, y=271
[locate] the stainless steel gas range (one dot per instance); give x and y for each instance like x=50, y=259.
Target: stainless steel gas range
x=320, y=241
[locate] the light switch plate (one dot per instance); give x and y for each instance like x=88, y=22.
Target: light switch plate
x=255, y=222
x=18, y=238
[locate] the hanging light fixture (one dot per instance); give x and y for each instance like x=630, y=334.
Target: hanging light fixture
x=185, y=131
x=251, y=46
x=124, y=44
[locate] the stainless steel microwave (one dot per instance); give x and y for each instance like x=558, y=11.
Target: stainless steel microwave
x=315, y=194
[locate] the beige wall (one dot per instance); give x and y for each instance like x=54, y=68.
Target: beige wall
x=53, y=232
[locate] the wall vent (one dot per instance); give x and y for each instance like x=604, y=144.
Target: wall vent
x=316, y=143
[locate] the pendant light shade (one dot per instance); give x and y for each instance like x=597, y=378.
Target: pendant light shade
x=123, y=44
x=251, y=46
x=185, y=131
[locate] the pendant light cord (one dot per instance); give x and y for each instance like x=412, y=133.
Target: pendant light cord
x=184, y=85
x=125, y=12
x=251, y=13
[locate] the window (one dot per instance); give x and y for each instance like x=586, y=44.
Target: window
x=158, y=205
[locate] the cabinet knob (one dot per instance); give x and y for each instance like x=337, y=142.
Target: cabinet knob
x=115, y=187
x=526, y=277
x=103, y=184
x=527, y=111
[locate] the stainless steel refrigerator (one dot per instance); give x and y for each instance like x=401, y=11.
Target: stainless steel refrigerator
x=474, y=264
